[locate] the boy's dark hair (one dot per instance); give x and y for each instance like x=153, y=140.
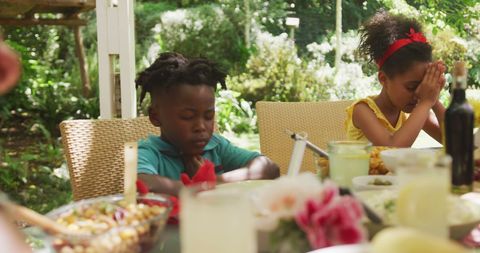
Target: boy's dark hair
x=382, y=30
x=173, y=69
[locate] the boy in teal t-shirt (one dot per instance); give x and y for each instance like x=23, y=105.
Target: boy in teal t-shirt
x=182, y=95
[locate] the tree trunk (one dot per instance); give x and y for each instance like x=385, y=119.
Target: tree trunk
x=82, y=62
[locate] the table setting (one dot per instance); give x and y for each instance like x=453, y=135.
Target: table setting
x=395, y=198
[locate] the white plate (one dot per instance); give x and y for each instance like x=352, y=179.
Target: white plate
x=354, y=248
x=248, y=185
x=362, y=183
x=457, y=231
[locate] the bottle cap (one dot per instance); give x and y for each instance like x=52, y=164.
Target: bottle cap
x=459, y=69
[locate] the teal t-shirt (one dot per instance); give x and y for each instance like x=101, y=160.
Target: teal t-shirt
x=157, y=157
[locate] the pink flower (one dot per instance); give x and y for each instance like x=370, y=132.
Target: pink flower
x=331, y=219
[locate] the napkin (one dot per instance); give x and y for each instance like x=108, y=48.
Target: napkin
x=206, y=173
x=142, y=189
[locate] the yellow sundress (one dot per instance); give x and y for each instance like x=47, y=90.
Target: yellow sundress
x=353, y=133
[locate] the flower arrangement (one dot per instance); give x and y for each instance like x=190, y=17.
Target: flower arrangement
x=302, y=214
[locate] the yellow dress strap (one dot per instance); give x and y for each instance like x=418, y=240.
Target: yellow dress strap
x=353, y=133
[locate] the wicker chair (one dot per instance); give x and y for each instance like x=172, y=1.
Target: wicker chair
x=322, y=121
x=94, y=152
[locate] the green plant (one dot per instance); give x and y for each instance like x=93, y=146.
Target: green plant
x=147, y=16
x=202, y=31
x=234, y=114
x=32, y=179
x=265, y=15
x=445, y=13
x=42, y=95
x=448, y=47
x=275, y=72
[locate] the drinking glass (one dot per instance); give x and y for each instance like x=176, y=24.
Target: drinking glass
x=424, y=185
x=348, y=159
x=216, y=221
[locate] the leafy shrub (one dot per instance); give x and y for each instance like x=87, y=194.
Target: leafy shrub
x=473, y=50
x=45, y=96
x=275, y=72
x=267, y=15
x=234, y=114
x=32, y=179
x=202, y=31
x=147, y=15
x=355, y=77
x=448, y=47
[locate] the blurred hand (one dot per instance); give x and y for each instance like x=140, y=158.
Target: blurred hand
x=429, y=89
x=9, y=69
x=205, y=173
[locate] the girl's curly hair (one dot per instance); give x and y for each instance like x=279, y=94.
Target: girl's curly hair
x=382, y=30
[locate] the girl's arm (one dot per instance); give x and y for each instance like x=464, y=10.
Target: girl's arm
x=427, y=93
x=161, y=184
x=366, y=120
x=259, y=168
x=433, y=124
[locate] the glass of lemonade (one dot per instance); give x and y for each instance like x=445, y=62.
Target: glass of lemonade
x=348, y=159
x=216, y=221
x=424, y=185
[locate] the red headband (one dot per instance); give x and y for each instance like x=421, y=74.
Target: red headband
x=412, y=37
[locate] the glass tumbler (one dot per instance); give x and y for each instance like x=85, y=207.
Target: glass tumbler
x=216, y=221
x=348, y=159
x=424, y=186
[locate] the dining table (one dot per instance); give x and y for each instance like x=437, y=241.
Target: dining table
x=170, y=241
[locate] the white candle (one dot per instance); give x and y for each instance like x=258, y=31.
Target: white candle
x=297, y=156
x=130, y=178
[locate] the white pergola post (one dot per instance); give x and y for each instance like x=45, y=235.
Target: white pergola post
x=116, y=56
x=338, y=33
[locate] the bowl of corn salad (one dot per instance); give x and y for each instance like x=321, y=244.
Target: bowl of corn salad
x=110, y=224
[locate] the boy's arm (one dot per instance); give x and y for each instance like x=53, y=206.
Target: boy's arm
x=148, y=161
x=159, y=184
x=260, y=167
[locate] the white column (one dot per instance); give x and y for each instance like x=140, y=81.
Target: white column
x=115, y=33
x=338, y=32
x=127, y=59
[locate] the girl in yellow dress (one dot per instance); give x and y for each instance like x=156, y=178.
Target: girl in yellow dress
x=411, y=84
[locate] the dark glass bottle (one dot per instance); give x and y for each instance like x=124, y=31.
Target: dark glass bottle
x=458, y=125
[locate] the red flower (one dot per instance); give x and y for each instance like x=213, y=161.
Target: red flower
x=331, y=219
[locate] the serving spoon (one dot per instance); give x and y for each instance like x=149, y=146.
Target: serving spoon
x=31, y=217
x=21, y=213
